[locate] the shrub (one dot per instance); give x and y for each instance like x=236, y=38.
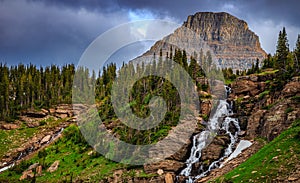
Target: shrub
x=296, y=99
x=288, y=110
x=263, y=94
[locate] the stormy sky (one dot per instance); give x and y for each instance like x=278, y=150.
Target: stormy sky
x=46, y=32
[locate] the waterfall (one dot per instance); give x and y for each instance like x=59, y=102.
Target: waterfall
x=200, y=141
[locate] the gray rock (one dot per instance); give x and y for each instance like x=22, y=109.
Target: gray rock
x=45, y=139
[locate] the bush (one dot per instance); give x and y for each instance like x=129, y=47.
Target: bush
x=74, y=134
x=263, y=94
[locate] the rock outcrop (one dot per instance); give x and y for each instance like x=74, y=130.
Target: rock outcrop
x=53, y=167
x=261, y=112
x=230, y=38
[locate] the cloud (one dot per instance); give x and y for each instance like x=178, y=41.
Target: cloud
x=265, y=17
x=45, y=31
x=33, y=31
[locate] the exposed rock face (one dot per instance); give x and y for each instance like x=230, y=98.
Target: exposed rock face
x=166, y=165
x=262, y=114
x=234, y=45
x=229, y=38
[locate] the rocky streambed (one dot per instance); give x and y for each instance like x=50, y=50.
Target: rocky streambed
x=49, y=126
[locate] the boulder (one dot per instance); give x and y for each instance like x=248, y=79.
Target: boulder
x=165, y=165
x=61, y=115
x=291, y=89
x=33, y=166
x=9, y=126
x=38, y=170
x=36, y=114
x=45, y=111
x=169, y=178
x=212, y=152
x=27, y=174
x=53, y=167
x=52, y=111
x=160, y=172
x=45, y=139
x=33, y=124
x=117, y=176
x=275, y=121
x=242, y=133
x=244, y=87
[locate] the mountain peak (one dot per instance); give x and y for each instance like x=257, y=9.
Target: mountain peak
x=229, y=38
x=218, y=18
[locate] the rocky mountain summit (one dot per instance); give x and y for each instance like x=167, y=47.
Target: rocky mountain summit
x=229, y=38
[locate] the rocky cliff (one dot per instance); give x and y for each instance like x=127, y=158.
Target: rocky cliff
x=263, y=110
x=229, y=38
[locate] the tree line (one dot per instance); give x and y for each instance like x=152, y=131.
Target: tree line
x=285, y=60
x=29, y=87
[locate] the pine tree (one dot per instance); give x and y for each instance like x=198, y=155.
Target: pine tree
x=256, y=69
x=297, y=54
x=282, y=50
x=184, y=60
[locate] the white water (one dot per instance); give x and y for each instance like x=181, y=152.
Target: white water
x=243, y=144
x=6, y=167
x=202, y=140
x=21, y=155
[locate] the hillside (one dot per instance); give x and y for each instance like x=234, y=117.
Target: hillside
x=275, y=162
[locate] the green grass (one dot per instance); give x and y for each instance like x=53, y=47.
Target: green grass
x=10, y=139
x=263, y=94
x=228, y=81
x=288, y=110
x=266, y=72
x=276, y=159
x=75, y=163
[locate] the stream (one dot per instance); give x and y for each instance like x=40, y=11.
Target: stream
x=202, y=140
x=29, y=150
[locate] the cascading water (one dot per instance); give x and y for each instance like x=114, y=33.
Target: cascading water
x=203, y=139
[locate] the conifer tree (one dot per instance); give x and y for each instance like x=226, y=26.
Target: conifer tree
x=297, y=54
x=282, y=50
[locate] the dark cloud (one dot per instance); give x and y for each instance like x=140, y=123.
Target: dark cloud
x=44, y=31
x=32, y=31
x=101, y=5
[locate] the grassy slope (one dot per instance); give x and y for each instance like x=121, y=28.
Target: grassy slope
x=276, y=159
x=75, y=163
x=11, y=139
